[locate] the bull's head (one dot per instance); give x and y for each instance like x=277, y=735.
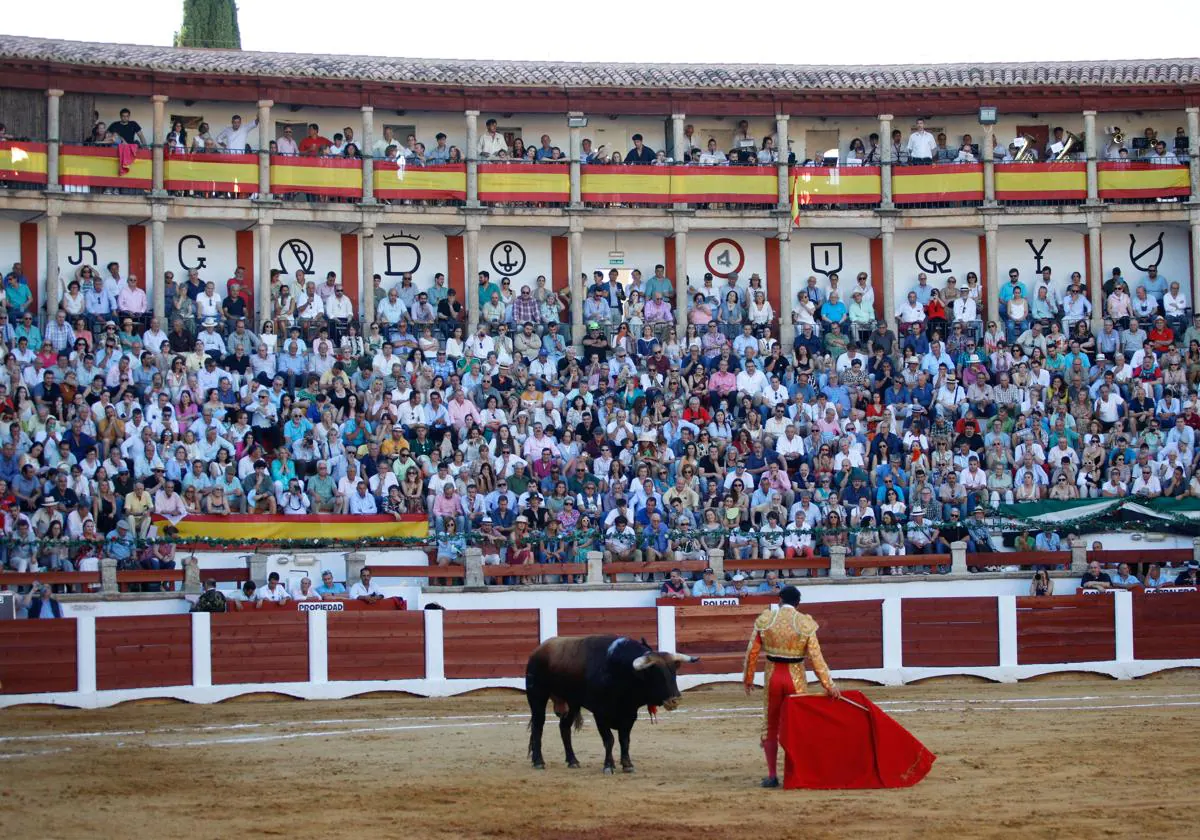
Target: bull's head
x=657, y=670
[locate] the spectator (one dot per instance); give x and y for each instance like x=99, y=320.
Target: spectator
x=1094, y=578
x=708, y=586
x=365, y=589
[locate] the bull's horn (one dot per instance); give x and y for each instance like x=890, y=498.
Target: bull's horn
x=683, y=658
x=642, y=663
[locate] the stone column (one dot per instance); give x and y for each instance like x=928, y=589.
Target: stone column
x=837, y=561
x=1194, y=231
x=1096, y=281
x=989, y=166
x=575, y=145
x=264, y=149
x=575, y=285
x=1078, y=555
x=681, y=301
x=158, y=261
x=368, y=162
x=366, y=241
x=716, y=562
x=887, y=237
x=472, y=278
x=1089, y=153
x=885, y=151
x=264, y=271
x=787, y=294
x=1193, y=129
x=677, y=140
x=108, y=576
x=53, y=283
x=158, y=143
x=993, y=266
x=781, y=146
x=958, y=558
x=472, y=151
x=192, y=585
x=473, y=568
x=595, y=567
x=53, y=103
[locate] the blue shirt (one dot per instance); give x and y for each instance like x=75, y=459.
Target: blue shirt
x=335, y=589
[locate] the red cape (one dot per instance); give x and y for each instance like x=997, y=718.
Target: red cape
x=831, y=744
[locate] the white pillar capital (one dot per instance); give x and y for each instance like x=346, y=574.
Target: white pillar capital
x=1089, y=113
x=782, y=117
x=54, y=92
x=470, y=113
x=160, y=98
x=367, y=109
x=266, y=103
x=886, y=118
x=679, y=116
x=1192, y=109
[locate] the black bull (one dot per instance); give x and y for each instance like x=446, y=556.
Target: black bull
x=610, y=676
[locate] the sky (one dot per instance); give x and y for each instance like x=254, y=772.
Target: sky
x=1096, y=30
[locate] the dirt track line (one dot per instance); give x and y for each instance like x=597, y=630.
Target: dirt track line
x=324, y=733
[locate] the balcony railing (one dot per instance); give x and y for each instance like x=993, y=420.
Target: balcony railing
x=129, y=171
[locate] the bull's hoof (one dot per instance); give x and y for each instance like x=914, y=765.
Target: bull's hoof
x=539, y=765
x=609, y=770
x=627, y=768
x=572, y=765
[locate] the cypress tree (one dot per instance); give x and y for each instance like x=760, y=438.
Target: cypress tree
x=211, y=24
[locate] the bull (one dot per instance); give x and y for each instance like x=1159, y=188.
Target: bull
x=610, y=676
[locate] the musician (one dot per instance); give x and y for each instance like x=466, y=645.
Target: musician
x=788, y=636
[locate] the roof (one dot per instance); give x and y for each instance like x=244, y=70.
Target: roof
x=469, y=74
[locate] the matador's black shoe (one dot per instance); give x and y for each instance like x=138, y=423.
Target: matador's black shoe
x=769, y=782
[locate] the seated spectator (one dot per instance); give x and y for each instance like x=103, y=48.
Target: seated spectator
x=1094, y=578
x=708, y=586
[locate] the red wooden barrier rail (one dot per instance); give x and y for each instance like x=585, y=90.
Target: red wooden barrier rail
x=1066, y=628
x=488, y=644
x=252, y=646
x=946, y=632
x=1165, y=625
x=12, y=579
x=634, y=622
x=38, y=656
x=143, y=651
x=377, y=646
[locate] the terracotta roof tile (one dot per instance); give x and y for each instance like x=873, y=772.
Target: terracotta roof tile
x=466, y=73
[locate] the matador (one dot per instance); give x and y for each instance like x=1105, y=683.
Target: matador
x=788, y=636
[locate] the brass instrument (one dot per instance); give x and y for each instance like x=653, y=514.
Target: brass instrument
x=1118, y=136
x=1071, y=143
x=1028, y=152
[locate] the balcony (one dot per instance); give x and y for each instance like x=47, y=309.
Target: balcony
x=101, y=169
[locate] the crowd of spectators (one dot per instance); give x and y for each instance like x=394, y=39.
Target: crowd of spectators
x=890, y=438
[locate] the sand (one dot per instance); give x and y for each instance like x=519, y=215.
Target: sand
x=1069, y=757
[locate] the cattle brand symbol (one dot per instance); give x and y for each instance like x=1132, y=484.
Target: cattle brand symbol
x=933, y=255
x=81, y=237
x=826, y=257
x=402, y=254
x=301, y=254
x=200, y=261
x=1154, y=253
x=1038, y=252
x=508, y=257
x=724, y=257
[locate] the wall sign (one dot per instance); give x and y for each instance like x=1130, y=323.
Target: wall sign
x=401, y=254
x=189, y=248
x=933, y=256
x=826, y=258
x=296, y=255
x=508, y=258
x=85, y=244
x=724, y=257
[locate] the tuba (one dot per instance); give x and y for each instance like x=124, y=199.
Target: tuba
x=1071, y=144
x=1118, y=136
x=1027, y=154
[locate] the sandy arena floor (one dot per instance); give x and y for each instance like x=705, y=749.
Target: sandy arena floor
x=1066, y=758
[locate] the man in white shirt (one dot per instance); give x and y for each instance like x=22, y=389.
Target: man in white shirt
x=712, y=156
x=208, y=303
x=366, y=589
x=274, y=590
x=379, y=147
x=234, y=138
x=1175, y=308
x=751, y=382
x=286, y=145
x=491, y=142
x=922, y=146
x=1108, y=407
x=361, y=502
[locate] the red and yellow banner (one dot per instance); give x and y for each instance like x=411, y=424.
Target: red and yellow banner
x=1041, y=181
x=1142, y=180
x=626, y=184
x=835, y=185
x=447, y=182
x=237, y=174
x=317, y=527
x=23, y=162
x=947, y=183
x=679, y=184
x=734, y=184
x=530, y=182
x=333, y=176
x=97, y=166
